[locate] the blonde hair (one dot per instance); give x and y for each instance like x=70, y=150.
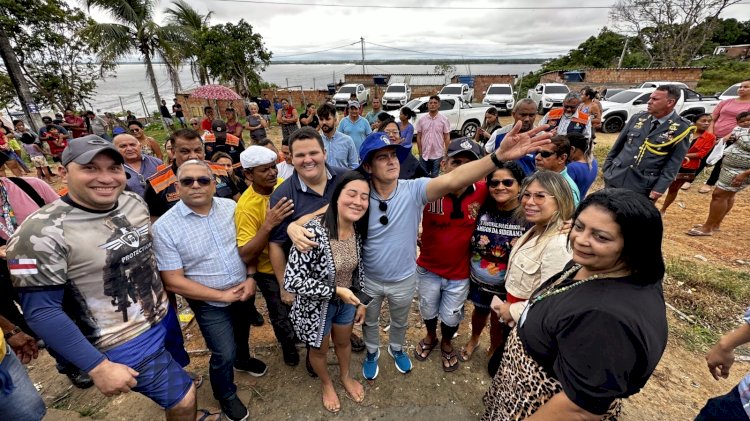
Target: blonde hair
x=556, y=185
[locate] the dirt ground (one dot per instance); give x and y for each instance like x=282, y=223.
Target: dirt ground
x=677, y=390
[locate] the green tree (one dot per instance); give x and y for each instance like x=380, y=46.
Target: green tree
x=134, y=32
x=233, y=53
x=602, y=50
x=192, y=22
x=672, y=32
x=7, y=92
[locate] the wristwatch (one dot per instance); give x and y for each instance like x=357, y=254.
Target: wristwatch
x=15, y=330
x=495, y=160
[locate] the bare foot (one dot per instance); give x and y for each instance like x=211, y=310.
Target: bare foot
x=354, y=389
x=330, y=399
x=468, y=350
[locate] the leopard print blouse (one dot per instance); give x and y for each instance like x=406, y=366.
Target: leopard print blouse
x=521, y=386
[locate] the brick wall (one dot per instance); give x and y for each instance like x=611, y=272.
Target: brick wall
x=482, y=82
x=627, y=78
x=298, y=98
x=193, y=107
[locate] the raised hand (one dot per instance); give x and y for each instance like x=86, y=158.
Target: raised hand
x=517, y=144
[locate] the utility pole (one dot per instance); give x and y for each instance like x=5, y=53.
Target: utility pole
x=362, y=41
x=19, y=82
x=143, y=104
x=622, y=55
x=122, y=106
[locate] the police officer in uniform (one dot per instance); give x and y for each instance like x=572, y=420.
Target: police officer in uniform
x=649, y=151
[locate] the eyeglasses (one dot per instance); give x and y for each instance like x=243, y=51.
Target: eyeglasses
x=570, y=107
x=135, y=130
x=383, y=206
x=539, y=198
x=507, y=182
x=546, y=154
x=189, y=181
x=391, y=132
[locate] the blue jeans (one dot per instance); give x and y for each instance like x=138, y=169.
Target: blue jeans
x=217, y=327
x=724, y=408
x=24, y=402
x=432, y=166
x=441, y=297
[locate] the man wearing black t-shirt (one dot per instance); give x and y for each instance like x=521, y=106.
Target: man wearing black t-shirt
x=179, y=115
x=160, y=193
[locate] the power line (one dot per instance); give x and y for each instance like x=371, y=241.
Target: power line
x=316, y=52
x=431, y=53
x=368, y=6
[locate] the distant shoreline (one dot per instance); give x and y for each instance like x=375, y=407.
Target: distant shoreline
x=399, y=62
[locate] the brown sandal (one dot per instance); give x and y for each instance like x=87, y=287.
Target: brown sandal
x=422, y=348
x=447, y=357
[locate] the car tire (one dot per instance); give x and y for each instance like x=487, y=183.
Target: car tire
x=613, y=124
x=469, y=129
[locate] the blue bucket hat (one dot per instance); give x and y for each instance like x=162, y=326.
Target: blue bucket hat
x=376, y=141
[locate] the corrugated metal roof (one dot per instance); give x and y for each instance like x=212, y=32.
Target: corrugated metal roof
x=413, y=79
x=427, y=80
x=625, y=68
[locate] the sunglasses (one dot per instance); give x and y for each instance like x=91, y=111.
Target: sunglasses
x=570, y=107
x=546, y=154
x=383, y=206
x=538, y=198
x=194, y=124
x=189, y=181
x=135, y=130
x=507, y=182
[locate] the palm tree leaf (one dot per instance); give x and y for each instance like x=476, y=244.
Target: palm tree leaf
x=112, y=41
x=131, y=12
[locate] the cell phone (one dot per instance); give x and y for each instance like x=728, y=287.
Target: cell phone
x=364, y=299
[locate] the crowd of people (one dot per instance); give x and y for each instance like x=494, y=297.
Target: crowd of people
x=344, y=219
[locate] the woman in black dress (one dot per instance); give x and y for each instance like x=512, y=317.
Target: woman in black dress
x=592, y=334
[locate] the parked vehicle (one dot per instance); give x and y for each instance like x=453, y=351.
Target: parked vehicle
x=396, y=95
x=342, y=96
x=548, y=95
x=500, y=96
x=458, y=89
x=656, y=84
x=608, y=93
x=464, y=118
x=619, y=108
x=731, y=92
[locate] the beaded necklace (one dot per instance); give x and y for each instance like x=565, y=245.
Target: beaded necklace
x=551, y=290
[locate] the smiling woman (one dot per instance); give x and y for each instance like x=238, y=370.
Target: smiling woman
x=592, y=334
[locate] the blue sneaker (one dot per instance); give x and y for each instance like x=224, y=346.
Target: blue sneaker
x=370, y=368
x=403, y=363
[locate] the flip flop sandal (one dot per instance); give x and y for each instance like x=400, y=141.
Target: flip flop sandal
x=350, y=397
x=700, y=225
x=447, y=357
x=423, y=347
x=206, y=413
x=332, y=411
x=695, y=233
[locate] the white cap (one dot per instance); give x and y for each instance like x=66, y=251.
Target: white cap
x=255, y=156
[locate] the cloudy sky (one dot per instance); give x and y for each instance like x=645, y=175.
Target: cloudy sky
x=292, y=29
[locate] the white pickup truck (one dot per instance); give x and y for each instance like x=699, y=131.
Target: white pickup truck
x=342, y=96
x=396, y=95
x=620, y=107
x=548, y=95
x=464, y=118
x=500, y=96
x=458, y=89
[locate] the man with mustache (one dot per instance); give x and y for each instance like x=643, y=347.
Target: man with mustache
x=525, y=112
x=340, y=148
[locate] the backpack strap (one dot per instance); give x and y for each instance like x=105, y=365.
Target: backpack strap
x=26, y=187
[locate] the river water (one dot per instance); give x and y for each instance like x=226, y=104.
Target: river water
x=131, y=79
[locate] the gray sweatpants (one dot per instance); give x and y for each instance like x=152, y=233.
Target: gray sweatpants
x=399, y=295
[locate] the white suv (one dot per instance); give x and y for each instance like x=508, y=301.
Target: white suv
x=396, y=95
x=500, y=96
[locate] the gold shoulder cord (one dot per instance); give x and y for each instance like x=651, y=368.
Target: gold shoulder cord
x=654, y=148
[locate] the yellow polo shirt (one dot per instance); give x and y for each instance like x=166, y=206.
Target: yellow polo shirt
x=248, y=217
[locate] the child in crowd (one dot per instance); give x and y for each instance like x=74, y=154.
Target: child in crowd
x=39, y=160
x=742, y=128
x=56, y=141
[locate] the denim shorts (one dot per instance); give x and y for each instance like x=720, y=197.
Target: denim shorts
x=441, y=297
x=339, y=313
x=480, y=294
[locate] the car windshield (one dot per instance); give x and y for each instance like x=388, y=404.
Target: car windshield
x=732, y=91
x=612, y=92
x=451, y=90
x=413, y=104
x=400, y=88
x=499, y=90
x=347, y=89
x=624, y=96
x=556, y=90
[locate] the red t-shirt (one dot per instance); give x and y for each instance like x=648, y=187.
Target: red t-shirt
x=446, y=236
x=206, y=124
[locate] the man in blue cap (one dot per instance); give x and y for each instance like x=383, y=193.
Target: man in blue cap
x=395, y=211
